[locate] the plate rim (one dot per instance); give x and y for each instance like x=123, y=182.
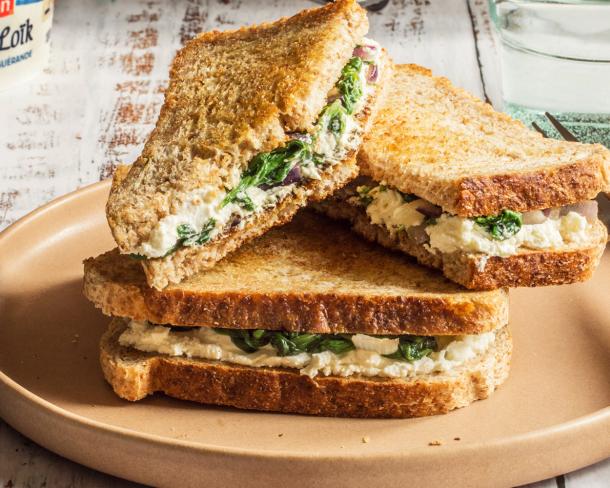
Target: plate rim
x=597, y=419
x=601, y=416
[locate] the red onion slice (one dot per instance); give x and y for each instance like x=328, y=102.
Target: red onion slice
x=418, y=234
x=372, y=74
x=366, y=53
x=587, y=209
x=293, y=176
x=429, y=209
x=551, y=213
x=303, y=137
x=534, y=217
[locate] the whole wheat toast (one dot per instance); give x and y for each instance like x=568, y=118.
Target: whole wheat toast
x=233, y=95
x=477, y=271
x=446, y=146
x=311, y=275
x=134, y=375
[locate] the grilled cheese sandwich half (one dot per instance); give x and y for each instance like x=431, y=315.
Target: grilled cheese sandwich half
x=437, y=157
x=256, y=123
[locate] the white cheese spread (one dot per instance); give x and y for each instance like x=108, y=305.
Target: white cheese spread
x=450, y=233
x=200, y=206
x=366, y=359
x=335, y=148
x=203, y=204
x=388, y=208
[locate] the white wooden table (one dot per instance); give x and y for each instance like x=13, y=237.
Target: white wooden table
x=98, y=99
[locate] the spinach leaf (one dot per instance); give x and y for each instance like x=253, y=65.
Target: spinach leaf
x=247, y=340
x=364, y=194
x=335, y=344
x=333, y=118
x=270, y=168
x=287, y=343
x=501, y=226
x=304, y=341
x=187, y=236
x=412, y=348
x=283, y=345
x=245, y=201
x=350, y=85
x=290, y=343
x=407, y=197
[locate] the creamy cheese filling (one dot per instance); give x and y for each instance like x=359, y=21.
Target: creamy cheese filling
x=451, y=234
x=204, y=204
x=206, y=207
x=448, y=233
x=367, y=359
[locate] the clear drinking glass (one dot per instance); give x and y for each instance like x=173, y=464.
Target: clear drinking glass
x=555, y=57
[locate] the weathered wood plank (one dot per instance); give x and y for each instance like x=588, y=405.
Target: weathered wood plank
x=487, y=51
x=596, y=476
x=435, y=34
x=25, y=464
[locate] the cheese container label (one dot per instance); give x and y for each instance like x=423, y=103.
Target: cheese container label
x=25, y=29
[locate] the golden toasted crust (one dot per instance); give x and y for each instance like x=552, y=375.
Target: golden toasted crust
x=231, y=96
x=474, y=271
x=133, y=375
x=442, y=144
x=190, y=260
x=310, y=275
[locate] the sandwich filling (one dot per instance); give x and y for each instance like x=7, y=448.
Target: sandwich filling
x=496, y=235
x=270, y=177
x=312, y=354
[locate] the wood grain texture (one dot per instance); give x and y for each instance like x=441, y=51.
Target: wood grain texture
x=25, y=464
x=100, y=95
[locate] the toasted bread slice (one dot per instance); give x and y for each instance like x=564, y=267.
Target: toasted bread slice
x=311, y=275
x=233, y=95
x=448, y=147
x=133, y=375
x=476, y=271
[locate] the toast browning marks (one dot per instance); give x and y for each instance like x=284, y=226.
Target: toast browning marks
x=311, y=275
x=306, y=181
x=133, y=375
x=233, y=95
x=444, y=145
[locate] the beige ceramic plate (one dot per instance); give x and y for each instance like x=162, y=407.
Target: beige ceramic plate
x=552, y=415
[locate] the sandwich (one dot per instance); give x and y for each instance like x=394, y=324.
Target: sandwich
x=472, y=192
x=307, y=319
x=256, y=122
